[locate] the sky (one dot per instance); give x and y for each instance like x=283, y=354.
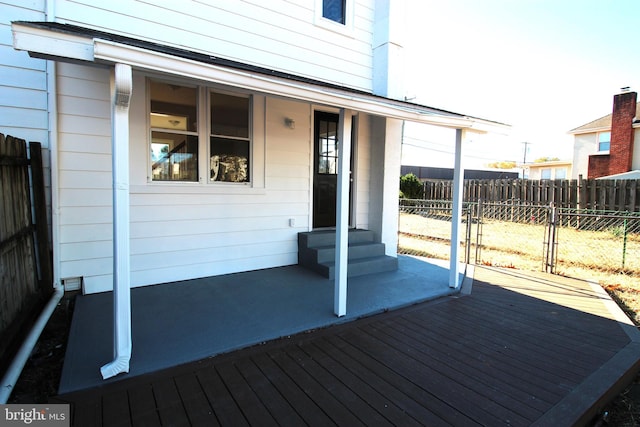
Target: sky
x=542, y=66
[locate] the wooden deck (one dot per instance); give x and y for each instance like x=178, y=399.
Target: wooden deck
x=521, y=349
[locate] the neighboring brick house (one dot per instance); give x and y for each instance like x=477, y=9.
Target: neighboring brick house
x=605, y=146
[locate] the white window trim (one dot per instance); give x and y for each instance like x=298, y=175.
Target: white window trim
x=257, y=157
x=598, y=150
x=328, y=24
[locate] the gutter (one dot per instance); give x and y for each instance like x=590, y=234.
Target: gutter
x=15, y=369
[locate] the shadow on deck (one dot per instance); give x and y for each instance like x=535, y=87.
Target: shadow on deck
x=522, y=349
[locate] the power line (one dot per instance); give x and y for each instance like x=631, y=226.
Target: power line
x=452, y=153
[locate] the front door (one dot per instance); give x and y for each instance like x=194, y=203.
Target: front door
x=326, y=169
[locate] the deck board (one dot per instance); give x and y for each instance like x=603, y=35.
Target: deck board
x=519, y=350
x=143, y=406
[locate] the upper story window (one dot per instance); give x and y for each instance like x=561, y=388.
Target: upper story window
x=335, y=15
x=604, y=141
x=178, y=139
x=334, y=10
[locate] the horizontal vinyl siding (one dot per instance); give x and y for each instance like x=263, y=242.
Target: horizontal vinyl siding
x=363, y=173
x=179, y=235
x=23, y=80
x=178, y=232
x=84, y=176
x=276, y=34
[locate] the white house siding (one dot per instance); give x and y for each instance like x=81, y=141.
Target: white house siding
x=276, y=34
x=84, y=161
x=361, y=190
x=584, y=146
x=184, y=231
x=23, y=80
x=635, y=162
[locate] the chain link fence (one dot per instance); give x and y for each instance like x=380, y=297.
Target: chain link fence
x=600, y=242
x=425, y=229
x=598, y=245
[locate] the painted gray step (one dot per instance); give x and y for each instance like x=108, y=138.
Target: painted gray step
x=328, y=238
x=363, y=266
x=356, y=250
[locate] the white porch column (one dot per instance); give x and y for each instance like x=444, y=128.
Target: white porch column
x=121, y=86
x=456, y=220
x=342, y=213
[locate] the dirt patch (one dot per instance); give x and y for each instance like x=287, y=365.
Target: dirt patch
x=41, y=374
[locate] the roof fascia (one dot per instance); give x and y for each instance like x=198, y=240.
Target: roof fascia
x=41, y=42
x=70, y=47
x=590, y=130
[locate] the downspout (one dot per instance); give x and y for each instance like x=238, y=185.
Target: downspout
x=12, y=374
x=122, y=82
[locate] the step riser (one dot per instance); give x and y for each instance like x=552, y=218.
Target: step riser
x=378, y=265
x=354, y=252
x=328, y=238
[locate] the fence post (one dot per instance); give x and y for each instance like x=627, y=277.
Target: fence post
x=551, y=240
x=479, y=230
x=40, y=209
x=624, y=243
x=467, y=252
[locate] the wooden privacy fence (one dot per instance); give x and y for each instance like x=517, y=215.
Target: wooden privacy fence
x=25, y=264
x=601, y=194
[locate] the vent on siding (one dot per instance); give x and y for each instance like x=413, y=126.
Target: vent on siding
x=72, y=283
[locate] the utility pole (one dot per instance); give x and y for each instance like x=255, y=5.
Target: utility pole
x=524, y=160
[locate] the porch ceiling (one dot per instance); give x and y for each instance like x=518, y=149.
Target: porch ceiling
x=62, y=42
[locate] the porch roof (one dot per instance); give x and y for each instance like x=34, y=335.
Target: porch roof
x=64, y=42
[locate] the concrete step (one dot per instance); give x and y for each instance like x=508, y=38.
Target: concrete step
x=317, y=251
x=314, y=239
x=356, y=250
x=363, y=266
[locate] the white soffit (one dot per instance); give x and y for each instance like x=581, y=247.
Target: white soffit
x=65, y=46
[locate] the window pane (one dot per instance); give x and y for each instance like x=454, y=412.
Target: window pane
x=229, y=115
x=174, y=157
x=545, y=174
x=561, y=173
x=229, y=160
x=173, y=107
x=604, y=141
x=334, y=10
x=328, y=154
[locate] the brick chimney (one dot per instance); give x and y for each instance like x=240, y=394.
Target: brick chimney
x=621, y=148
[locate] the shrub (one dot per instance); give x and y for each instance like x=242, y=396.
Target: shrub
x=411, y=187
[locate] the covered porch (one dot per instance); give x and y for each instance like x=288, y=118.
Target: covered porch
x=181, y=322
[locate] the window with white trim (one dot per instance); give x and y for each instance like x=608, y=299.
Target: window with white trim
x=545, y=173
x=335, y=10
x=178, y=140
x=335, y=15
x=604, y=141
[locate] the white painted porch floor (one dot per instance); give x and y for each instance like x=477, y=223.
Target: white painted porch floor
x=182, y=322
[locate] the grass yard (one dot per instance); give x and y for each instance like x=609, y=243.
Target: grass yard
x=589, y=255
